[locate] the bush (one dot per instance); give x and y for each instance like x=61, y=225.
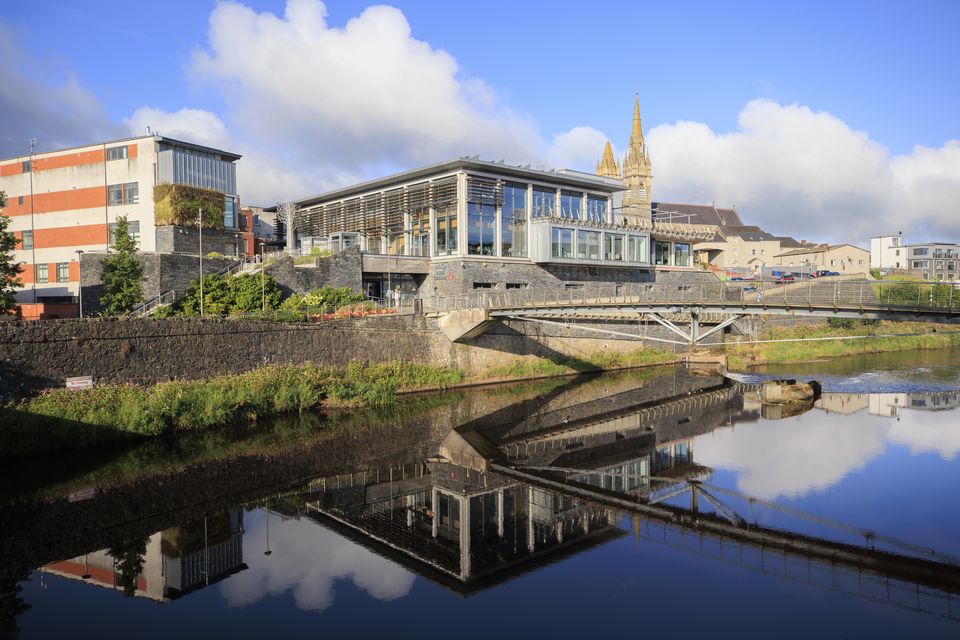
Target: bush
x=324, y=298
x=224, y=295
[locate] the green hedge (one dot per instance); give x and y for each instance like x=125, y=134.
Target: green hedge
x=178, y=205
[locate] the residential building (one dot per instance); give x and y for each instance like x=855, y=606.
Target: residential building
x=743, y=248
x=66, y=202
x=845, y=259
x=933, y=260
x=887, y=252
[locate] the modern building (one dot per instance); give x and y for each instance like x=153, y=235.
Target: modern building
x=933, y=260
x=845, y=259
x=66, y=202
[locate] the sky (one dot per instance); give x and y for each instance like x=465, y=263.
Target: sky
x=829, y=121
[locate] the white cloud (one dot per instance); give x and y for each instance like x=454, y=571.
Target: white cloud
x=308, y=559
x=579, y=148
x=809, y=174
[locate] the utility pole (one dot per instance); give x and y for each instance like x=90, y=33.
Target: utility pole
x=263, y=282
x=200, y=251
x=33, y=233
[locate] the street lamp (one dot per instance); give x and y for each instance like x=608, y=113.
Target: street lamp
x=263, y=282
x=79, y=253
x=200, y=251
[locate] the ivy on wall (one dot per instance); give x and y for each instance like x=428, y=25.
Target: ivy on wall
x=178, y=205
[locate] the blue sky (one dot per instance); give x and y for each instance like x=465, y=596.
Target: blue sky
x=864, y=82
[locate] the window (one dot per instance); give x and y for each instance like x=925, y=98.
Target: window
x=230, y=212
x=63, y=272
x=118, y=194
x=661, y=253
x=588, y=245
x=20, y=200
x=753, y=252
x=42, y=275
x=681, y=254
x=481, y=227
x=561, y=245
x=517, y=285
x=420, y=231
x=446, y=230
x=920, y=252
x=133, y=230
x=596, y=208
x=897, y=252
x=484, y=285
x=513, y=220
x=544, y=202
x=25, y=168
x=613, y=246
x=26, y=241
x=636, y=249
x=117, y=153
x=571, y=205
x=860, y=262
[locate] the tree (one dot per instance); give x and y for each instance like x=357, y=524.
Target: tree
x=9, y=270
x=250, y=293
x=122, y=273
x=128, y=556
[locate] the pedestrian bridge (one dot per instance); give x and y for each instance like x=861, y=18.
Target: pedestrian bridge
x=718, y=304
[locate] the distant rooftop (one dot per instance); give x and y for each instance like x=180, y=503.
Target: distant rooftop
x=699, y=213
x=226, y=155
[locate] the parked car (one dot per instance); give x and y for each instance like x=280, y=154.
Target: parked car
x=785, y=279
x=833, y=273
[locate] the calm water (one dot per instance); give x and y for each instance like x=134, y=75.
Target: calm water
x=657, y=501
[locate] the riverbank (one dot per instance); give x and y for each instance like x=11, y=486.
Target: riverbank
x=818, y=342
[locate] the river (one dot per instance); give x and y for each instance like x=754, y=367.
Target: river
x=654, y=501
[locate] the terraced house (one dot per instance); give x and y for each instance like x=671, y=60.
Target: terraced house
x=63, y=203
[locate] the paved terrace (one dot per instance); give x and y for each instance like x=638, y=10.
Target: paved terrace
x=470, y=315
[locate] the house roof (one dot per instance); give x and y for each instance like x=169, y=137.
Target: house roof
x=819, y=248
x=749, y=233
x=699, y=213
x=786, y=242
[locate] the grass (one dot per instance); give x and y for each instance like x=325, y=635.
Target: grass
x=741, y=357
x=63, y=419
x=544, y=367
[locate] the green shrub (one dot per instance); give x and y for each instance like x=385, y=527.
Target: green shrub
x=180, y=205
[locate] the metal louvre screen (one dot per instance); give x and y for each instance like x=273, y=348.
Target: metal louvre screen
x=418, y=197
x=484, y=191
x=393, y=205
x=352, y=215
x=443, y=191
x=373, y=214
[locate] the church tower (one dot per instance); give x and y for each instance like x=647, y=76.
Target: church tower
x=608, y=167
x=637, y=172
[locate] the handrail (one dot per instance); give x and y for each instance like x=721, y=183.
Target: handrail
x=153, y=303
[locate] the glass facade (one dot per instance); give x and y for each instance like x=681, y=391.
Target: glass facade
x=636, y=248
x=481, y=228
x=420, y=232
x=588, y=245
x=596, y=208
x=544, y=202
x=681, y=254
x=446, y=230
x=661, y=255
x=571, y=205
x=230, y=212
x=561, y=245
x=513, y=221
x=613, y=246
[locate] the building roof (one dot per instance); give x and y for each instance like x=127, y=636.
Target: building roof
x=565, y=176
x=819, y=248
x=748, y=233
x=786, y=242
x=227, y=155
x=699, y=213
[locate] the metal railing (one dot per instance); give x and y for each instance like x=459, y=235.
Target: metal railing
x=154, y=303
x=859, y=295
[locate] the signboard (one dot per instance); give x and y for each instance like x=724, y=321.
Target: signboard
x=80, y=382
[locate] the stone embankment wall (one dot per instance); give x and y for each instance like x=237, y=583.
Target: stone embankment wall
x=147, y=350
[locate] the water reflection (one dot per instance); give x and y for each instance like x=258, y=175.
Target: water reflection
x=505, y=482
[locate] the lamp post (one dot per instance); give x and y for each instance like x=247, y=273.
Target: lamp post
x=33, y=250
x=263, y=282
x=200, y=251
x=79, y=253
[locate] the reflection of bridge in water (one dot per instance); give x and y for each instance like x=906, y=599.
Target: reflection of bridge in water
x=698, y=304
x=504, y=497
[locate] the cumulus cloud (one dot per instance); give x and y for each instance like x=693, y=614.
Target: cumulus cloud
x=808, y=173
x=57, y=111
x=308, y=559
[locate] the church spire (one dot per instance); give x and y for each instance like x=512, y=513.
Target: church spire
x=637, y=173
x=608, y=166
x=636, y=150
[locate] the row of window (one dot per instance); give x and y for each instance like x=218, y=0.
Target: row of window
x=63, y=272
x=572, y=206
x=127, y=193
x=113, y=153
x=586, y=244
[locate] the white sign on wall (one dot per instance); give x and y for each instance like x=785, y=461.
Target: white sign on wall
x=80, y=382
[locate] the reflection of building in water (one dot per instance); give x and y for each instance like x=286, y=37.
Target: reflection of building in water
x=891, y=404
x=843, y=403
x=167, y=565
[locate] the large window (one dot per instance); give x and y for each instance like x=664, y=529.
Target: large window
x=613, y=246
x=513, y=220
x=636, y=249
x=118, y=194
x=420, y=231
x=596, y=208
x=63, y=272
x=481, y=228
x=133, y=230
x=26, y=242
x=681, y=254
x=588, y=245
x=446, y=229
x=661, y=253
x=562, y=243
x=571, y=205
x=117, y=153
x=544, y=202
x=230, y=212
x=42, y=275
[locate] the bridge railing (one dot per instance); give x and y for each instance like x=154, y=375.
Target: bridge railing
x=837, y=294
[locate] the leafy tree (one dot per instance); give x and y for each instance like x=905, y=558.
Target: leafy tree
x=129, y=557
x=122, y=274
x=249, y=294
x=231, y=294
x=9, y=270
